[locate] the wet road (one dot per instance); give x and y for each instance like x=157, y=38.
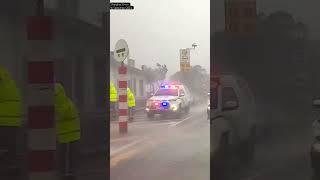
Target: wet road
x=284, y=155
x=176, y=149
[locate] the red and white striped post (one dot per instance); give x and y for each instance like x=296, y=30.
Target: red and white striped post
x=123, y=105
x=41, y=119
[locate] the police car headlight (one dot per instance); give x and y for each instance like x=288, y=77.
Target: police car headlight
x=174, y=107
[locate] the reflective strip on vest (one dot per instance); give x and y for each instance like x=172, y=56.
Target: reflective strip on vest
x=10, y=113
x=10, y=121
x=113, y=98
x=131, y=103
x=131, y=100
x=66, y=130
x=69, y=137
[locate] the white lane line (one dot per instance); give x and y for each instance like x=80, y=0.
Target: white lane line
x=122, y=139
x=175, y=124
x=116, y=151
x=153, y=124
x=138, y=122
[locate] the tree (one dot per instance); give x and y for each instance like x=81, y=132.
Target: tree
x=197, y=80
x=161, y=71
x=155, y=75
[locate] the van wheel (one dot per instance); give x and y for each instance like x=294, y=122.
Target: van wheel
x=219, y=167
x=316, y=173
x=187, y=109
x=178, y=114
x=150, y=115
x=248, y=148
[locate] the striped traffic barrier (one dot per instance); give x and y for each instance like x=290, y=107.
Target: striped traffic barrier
x=123, y=105
x=41, y=122
x=40, y=98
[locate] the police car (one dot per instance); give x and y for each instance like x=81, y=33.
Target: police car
x=169, y=99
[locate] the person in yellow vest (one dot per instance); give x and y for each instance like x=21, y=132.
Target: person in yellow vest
x=113, y=101
x=10, y=124
x=68, y=132
x=131, y=103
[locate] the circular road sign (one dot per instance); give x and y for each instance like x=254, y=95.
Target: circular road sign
x=121, y=51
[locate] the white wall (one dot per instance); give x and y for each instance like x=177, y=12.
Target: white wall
x=131, y=76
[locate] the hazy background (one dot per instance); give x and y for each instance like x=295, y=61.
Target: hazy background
x=156, y=31
x=305, y=11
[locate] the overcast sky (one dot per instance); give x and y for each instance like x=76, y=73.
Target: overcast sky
x=156, y=30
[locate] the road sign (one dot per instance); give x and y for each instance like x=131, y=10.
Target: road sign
x=121, y=51
x=185, y=55
x=185, y=60
x=240, y=16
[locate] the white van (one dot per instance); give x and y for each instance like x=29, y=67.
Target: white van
x=233, y=120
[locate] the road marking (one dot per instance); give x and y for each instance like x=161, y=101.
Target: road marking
x=122, y=139
x=113, y=152
x=125, y=156
x=175, y=124
x=160, y=122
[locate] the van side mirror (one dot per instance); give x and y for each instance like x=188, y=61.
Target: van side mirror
x=182, y=94
x=316, y=103
x=230, y=105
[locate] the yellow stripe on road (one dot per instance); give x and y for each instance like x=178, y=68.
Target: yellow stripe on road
x=124, y=156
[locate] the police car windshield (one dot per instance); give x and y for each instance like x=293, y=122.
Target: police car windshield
x=167, y=92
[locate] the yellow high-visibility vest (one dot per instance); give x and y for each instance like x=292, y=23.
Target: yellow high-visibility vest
x=67, y=117
x=131, y=98
x=10, y=101
x=113, y=93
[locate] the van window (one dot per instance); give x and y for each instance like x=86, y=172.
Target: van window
x=182, y=92
x=228, y=94
x=214, y=98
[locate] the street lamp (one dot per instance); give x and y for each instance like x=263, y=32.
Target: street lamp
x=194, y=45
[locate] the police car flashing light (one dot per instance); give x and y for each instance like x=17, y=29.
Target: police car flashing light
x=169, y=87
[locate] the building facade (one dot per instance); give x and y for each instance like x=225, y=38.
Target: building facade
x=137, y=80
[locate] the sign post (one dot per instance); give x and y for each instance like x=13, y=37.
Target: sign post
x=121, y=52
x=185, y=60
